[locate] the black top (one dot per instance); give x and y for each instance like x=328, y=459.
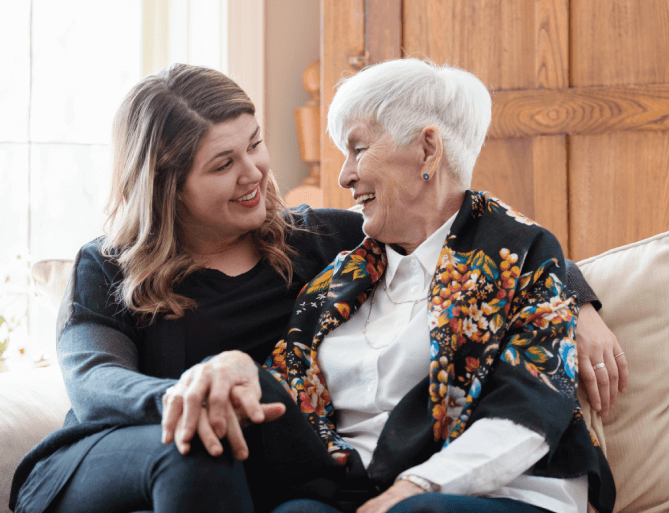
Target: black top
x=117, y=369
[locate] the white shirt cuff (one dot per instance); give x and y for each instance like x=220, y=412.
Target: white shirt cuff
x=487, y=456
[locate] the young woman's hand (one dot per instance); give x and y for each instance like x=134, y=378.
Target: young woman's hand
x=216, y=399
x=595, y=345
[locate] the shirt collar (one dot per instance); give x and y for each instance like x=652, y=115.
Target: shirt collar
x=427, y=253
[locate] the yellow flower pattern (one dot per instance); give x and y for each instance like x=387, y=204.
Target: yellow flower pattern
x=496, y=308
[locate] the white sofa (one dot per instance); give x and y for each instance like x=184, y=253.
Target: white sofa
x=633, y=284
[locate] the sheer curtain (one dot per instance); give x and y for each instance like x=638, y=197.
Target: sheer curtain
x=65, y=66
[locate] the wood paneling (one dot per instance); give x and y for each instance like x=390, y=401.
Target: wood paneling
x=580, y=88
x=579, y=110
x=507, y=162
x=508, y=44
x=383, y=32
x=552, y=44
x=530, y=175
x=551, y=188
x=619, y=190
x=620, y=42
x=619, y=182
x=342, y=40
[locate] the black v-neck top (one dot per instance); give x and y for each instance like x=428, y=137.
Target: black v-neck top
x=242, y=312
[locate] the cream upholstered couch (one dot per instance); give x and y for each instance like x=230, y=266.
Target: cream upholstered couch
x=633, y=284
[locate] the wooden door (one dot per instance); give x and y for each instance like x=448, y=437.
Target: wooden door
x=580, y=94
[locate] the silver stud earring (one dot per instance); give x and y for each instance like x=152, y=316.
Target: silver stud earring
x=426, y=177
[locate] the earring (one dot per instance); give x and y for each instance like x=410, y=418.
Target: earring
x=426, y=177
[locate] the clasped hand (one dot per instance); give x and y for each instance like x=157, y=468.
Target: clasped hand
x=216, y=399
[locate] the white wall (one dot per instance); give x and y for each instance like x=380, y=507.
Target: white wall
x=292, y=43
x=266, y=52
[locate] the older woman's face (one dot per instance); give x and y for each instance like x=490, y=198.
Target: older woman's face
x=386, y=180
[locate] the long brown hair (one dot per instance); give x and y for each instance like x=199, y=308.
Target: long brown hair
x=157, y=132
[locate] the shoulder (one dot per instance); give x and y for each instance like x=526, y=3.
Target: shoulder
x=92, y=260
x=91, y=292
x=327, y=226
x=495, y=212
x=95, y=278
x=488, y=223
x=332, y=218
x=320, y=234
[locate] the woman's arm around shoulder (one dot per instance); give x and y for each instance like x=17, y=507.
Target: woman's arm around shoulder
x=596, y=344
x=321, y=235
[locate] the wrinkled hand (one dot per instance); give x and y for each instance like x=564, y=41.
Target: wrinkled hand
x=216, y=399
x=595, y=344
x=396, y=493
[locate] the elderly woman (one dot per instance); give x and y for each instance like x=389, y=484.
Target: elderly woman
x=200, y=261
x=438, y=356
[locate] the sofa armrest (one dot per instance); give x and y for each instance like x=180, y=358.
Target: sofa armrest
x=633, y=284
x=33, y=403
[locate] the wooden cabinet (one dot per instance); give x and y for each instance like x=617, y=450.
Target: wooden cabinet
x=579, y=139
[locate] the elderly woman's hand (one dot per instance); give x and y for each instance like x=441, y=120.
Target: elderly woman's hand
x=596, y=345
x=216, y=399
x=396, y=493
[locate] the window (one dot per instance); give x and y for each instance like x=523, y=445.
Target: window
x=68, y=66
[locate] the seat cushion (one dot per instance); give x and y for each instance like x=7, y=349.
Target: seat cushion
x=633, y=284
x=33, y=403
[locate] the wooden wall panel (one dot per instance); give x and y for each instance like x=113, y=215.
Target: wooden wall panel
x=383, y=30
x=342, y=40
x=552, y=44
x=619, y=182
x=508, y=44
x=502, y=30
x=587, y=110
x=550, y=195
x=620, y=42
x=619, y=190
x=530, y=175
x=507, y=162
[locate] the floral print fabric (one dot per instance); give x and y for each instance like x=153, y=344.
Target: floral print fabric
x=502, y=331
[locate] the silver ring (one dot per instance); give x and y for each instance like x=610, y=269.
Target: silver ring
x=619, y=354
x=599, y=366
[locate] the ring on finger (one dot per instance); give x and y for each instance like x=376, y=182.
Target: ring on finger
x=619, y=354
x=599, y=366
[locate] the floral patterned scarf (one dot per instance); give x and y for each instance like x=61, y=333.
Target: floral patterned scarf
x=502, y=329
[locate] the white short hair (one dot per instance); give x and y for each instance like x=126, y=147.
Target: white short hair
x=406, y=95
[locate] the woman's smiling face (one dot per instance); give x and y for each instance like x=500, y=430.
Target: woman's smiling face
x=225, y=193
x=386, y=180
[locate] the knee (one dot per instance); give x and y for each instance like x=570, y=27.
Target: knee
x=198, y=467
x=201, y=482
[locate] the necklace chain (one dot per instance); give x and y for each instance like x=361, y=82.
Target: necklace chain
x=371, y=307
x=414, y=301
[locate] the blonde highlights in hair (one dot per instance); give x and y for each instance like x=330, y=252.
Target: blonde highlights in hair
x=157, y=132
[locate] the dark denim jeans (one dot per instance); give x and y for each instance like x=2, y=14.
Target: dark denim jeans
x=426, y=503
x=131, y=470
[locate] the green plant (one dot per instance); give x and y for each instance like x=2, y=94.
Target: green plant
x=5, y=341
